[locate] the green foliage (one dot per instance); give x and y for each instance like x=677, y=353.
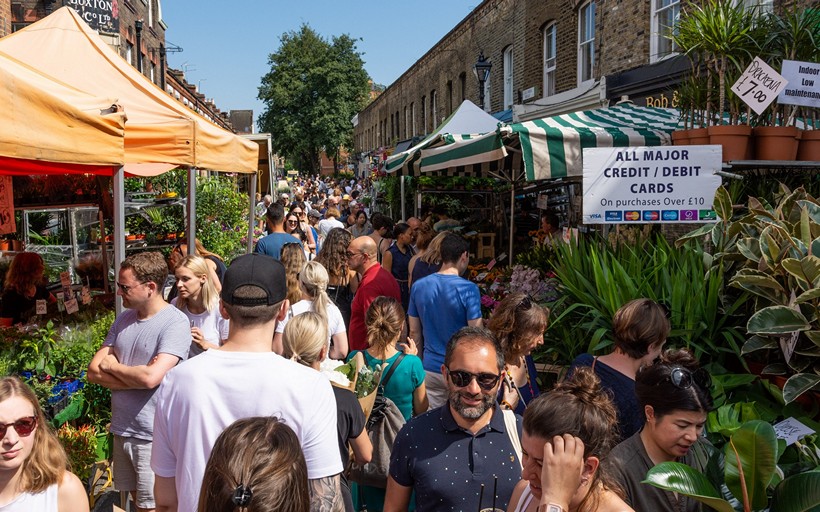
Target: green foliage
x=313, y=89
x=597, y=279
x=222, y=216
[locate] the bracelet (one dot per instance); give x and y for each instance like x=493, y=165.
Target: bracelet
x=506, y=404
x=549, y=507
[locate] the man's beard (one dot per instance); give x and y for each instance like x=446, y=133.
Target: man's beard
x=471, y=412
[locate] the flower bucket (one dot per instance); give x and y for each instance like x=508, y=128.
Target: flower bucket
x=809, y=148
x=104, y=445
x=776, y=142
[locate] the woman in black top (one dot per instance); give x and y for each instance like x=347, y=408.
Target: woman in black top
x=23, y=287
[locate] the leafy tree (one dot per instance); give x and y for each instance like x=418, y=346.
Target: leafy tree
x=313, y=90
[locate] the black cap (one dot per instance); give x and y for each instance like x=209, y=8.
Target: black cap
x=257, y=270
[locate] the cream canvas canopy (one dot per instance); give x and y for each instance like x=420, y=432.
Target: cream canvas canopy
x=158, y=130
x=44, y=125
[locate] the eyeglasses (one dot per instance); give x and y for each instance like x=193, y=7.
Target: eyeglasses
x=293, y=221
x=24, y=426
x=127, y=288
x=462, y=379
x=682, y=378
x=299, y=214
x=525, y=304
x=350, y=254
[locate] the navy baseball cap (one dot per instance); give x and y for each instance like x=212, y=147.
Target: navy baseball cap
x=257, y=270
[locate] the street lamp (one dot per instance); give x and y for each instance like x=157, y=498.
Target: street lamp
x=481, y=69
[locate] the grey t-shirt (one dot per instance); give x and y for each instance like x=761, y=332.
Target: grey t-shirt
x=136, y=342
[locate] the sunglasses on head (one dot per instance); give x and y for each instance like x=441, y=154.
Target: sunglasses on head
x=682, y=378
x=24, y=426
x=462, y=379
x=525, y=304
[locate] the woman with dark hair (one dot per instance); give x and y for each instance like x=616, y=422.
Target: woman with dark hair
x=674, y=396
x=34, y=472
x=361, y=227
x=294, y=227
x=396, y=259
x=298, y=209
x=639, y=330
x=567, y=433
x=342, y=281
x=256, y=465
x=23, y=287
x=519, y=324
x=382, y=230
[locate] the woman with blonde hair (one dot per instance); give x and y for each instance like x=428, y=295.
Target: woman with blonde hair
x=198, y=297
x=304, y=342
x=293, y=258
x=313, y=286
x=34, y=472
x=519, y=324
x=256, y=465
x=567, y=433
x=428, y=262
x=385, y=323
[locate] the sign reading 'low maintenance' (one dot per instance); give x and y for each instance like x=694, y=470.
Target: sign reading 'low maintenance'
x=804, y=84
x=663, y=184
x=759, y=85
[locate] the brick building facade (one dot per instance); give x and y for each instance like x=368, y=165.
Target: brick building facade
x=5, y=17
x=548, y=57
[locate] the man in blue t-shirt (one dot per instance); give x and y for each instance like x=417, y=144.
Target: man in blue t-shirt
x=271, y=245
x=440, y=305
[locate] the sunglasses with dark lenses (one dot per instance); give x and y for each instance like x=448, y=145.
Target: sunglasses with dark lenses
x=462, y=379
x=525, y=304
x=682, y=378
x=24, y=426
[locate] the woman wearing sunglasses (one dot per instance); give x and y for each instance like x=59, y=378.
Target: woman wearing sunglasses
x=519, y=324
x=33, y=467
x=674, y=396
x=567, y=433
x=300, y=211
x=293, y=227
x=639, y=330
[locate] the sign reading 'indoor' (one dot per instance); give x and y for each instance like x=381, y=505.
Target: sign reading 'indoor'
x=101, y=15
x=650, y=184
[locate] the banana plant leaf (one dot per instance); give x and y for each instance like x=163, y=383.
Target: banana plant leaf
x=798, y=493
x=751, y=455
x=682, y=479
x=777, y=320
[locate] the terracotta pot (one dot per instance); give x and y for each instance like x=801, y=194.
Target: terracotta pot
x=776, y=142
x=699, y=136
x=809, y=148
x=735, y=140
x=5, y=245
x=680, y=137
x=16, y=245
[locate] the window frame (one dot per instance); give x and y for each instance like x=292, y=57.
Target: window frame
x=656, y=37
x=549, y=73
x=508, y=63
x=589, y=42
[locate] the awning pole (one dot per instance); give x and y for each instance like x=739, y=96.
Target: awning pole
x=252, y=214
x=118, y=239
x=512, y=217
x=403, y=218
x=191, y=210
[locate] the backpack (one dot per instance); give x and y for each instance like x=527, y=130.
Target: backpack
x=382, y=427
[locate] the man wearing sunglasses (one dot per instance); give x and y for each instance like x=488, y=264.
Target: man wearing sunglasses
x=441, y=304
x=457, y=456
x=146, y=341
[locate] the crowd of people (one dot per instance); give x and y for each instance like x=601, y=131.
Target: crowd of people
x=220, y=403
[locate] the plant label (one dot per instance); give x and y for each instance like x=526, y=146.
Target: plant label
x=491, y=264
x=759, y=85
x=71, y=306
x=65, y=279
x=791, y=430
x=85, y=295
x=804, y=83
x=41, y=306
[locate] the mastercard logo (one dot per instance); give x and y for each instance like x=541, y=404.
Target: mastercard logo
x=633, y=215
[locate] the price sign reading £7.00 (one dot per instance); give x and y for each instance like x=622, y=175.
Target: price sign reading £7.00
x=759, y=85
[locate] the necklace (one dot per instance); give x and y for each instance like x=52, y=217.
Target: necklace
x=529, y=382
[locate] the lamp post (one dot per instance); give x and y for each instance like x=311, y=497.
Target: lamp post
x=481, y=69
x=138, y=30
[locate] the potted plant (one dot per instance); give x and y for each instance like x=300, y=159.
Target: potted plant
x=794, y=35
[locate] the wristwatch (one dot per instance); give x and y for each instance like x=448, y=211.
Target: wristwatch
x=550, y=507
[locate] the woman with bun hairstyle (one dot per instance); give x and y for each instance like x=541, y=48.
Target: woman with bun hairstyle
x=566, y=435
x=639, y=330
x=674, y=396
x=313, y=286
x=385, y=323
x=34, y=472
x=304, y=342
x=519, y=324
x=256, y=465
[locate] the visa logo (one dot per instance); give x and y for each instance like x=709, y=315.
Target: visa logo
x=614, y=215
x=595, y=216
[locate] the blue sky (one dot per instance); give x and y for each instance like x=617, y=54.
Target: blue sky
x=226, y=44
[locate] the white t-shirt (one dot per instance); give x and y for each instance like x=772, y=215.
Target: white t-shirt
x=199, y=399
x=45, y=501
x=335, y=322
x=212, y=324
x=325, y=225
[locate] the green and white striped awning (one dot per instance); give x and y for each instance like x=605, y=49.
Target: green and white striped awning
x=451, y=155
x=552, y=147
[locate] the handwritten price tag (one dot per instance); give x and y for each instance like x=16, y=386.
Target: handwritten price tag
x=65, y=279
x=40, y=306
x=85, y=295
x=71, y=306
x=791, y=430
x=759, y=85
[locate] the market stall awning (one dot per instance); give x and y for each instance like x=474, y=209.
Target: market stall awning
x=552, y=147
x=44, y=125
x=158, y=130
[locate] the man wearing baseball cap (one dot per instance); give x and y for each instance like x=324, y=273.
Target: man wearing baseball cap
x=241, y=379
